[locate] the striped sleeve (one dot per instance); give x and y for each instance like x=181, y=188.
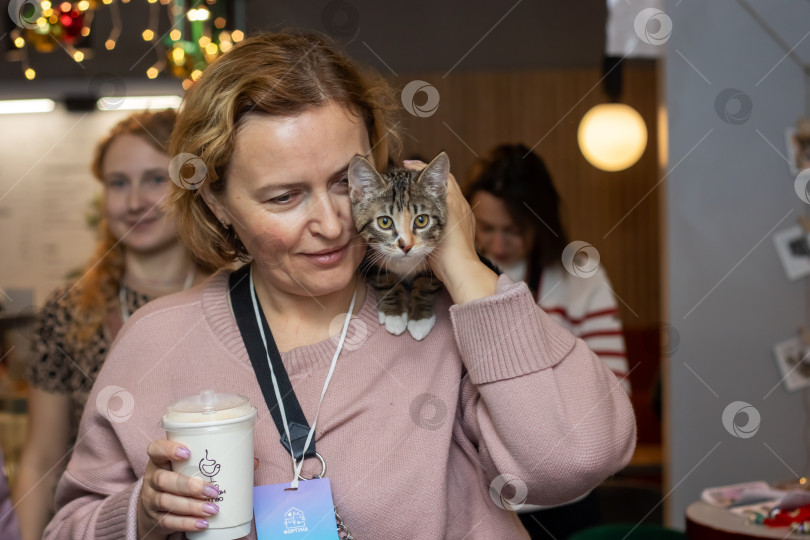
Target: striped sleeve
x=595, y=321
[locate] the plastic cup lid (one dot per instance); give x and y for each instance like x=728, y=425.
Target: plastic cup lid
x=208, y=406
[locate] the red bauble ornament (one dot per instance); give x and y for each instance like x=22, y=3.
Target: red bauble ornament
x=72, y=23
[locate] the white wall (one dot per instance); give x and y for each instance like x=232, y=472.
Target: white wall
x=46, y=190
x=728, y=192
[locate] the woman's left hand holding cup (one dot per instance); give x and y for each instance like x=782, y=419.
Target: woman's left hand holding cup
x=170, y=501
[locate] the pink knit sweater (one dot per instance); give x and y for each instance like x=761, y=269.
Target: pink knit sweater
x=411, y=441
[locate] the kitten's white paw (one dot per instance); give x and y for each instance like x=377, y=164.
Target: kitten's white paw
x=381, y=316
x=421, y=328
x=396, y=324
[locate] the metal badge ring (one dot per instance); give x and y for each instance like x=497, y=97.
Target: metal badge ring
x=323, y=469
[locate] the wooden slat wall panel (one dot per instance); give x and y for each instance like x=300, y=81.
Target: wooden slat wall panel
x=543, y=108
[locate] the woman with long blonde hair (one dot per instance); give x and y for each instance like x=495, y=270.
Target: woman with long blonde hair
x=138, y=257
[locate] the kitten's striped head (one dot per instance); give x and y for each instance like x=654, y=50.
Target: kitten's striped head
x=400, y=213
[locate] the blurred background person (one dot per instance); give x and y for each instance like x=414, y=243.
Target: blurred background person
x=138, y=257
x=518, y=227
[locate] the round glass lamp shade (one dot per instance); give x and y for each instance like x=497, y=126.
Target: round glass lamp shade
x=612, y=136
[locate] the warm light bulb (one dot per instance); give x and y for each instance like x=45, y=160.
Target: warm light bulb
x=195, y=74
x=85, y=31
x=64, y=7
x=219, y=22
x=19, y=42
x=45, y=5
x=178, y=55
x=237, y=36
x=84, y=5
x=175, y=34
x=225, y=46
x=198, y=14
x=110, y=44
x=204, y=41
x=612, y=136
x=148, y=35
x=30, y=74
x=211, y=49
x=186, y=84
x=78, y=56
x=152, y=72
x=107, y=2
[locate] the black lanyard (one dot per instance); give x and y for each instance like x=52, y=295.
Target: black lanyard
x=239, y=284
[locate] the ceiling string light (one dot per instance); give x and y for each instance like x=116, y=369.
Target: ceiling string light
x=201, y=31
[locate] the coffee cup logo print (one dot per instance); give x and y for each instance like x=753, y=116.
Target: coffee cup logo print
x=653, y=26
x=25, y=13
x=209, y=468
x=733, y=106
x=115, y=404
x=431, y=104
x=428, y=411
x=187, y=171
x=732, y=412
x=800, y=185
x=580, y=259
x=502, y=487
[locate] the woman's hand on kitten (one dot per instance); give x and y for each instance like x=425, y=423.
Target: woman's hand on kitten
x=455, y=262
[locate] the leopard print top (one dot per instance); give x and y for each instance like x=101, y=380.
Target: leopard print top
x=55, y=367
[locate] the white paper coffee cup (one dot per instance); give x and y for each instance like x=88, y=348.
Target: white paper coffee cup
x=218, y=430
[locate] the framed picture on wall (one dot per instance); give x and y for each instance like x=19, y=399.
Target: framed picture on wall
x=793, y=359
x=793, y=248
x=798, y=150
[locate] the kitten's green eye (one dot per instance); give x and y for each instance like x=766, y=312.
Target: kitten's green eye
x=385, y=222
x=421, y=221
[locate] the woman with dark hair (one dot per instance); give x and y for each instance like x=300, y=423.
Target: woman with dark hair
x=518, y=226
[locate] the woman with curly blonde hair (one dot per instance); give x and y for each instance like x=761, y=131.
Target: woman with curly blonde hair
x=138, y=257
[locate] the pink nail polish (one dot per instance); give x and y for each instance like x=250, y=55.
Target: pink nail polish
x=202, y=523
x=183, y=453
x=210, y=491
x=210, y=509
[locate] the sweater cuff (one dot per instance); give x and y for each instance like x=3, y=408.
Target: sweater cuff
x=119, y=514
x=507, y=335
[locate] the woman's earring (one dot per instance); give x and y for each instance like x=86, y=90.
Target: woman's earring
x=224, y=223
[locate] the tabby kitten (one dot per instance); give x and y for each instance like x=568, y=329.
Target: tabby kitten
x=401, y=214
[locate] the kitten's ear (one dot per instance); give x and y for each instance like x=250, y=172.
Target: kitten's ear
x=434, y=176
x=363, y=177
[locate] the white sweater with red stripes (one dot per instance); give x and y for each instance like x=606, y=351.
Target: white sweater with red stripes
x=587, y=308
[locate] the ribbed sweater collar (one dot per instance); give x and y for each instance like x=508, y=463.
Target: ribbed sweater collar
x=217, y=310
